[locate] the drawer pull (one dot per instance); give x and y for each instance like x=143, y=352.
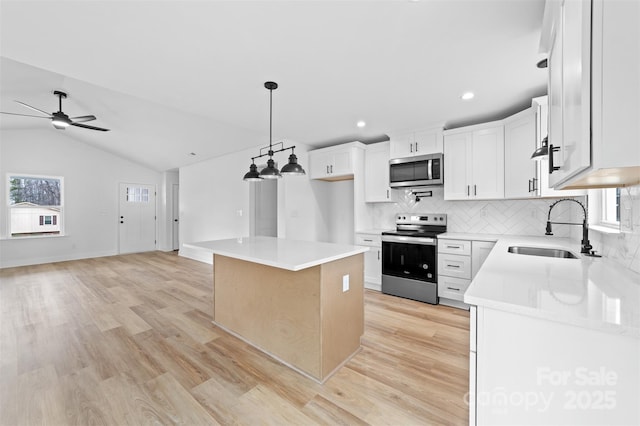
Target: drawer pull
x=453, y=266
x=454, y=247
x=367, y=240
x=453, y=288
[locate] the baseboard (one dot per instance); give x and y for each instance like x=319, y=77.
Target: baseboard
x=453, y=303
x=54, y=259
x=373, y=286
x=196, y=254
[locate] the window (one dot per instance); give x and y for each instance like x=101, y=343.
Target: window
x=136, y=194
x=611, y=207
x=35, y=205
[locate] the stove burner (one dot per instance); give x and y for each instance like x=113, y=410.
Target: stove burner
x=419, y=225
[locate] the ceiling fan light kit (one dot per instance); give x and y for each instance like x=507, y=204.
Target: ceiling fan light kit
x=271, y=171
x=59, y=119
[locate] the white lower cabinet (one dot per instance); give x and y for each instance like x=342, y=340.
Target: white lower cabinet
x=372, y=259
x=458, y=263
x=530, y=370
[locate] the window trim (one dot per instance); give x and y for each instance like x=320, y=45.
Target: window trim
x=595, y=200
x=61, y=221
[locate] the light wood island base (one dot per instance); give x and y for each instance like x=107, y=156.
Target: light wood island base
x=302, y=318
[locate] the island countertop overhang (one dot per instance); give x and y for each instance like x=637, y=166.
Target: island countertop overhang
x=292, y=255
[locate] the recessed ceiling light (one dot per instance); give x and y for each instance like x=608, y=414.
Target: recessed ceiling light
x=467, y=96
x=361, y=124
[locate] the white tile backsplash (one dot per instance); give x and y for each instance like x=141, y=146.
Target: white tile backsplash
x=524, y=217
x=516, y=217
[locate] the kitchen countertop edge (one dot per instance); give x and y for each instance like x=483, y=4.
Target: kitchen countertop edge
x=537, y=276
x=272, y=251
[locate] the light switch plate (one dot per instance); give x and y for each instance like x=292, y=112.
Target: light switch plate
x=345, y=283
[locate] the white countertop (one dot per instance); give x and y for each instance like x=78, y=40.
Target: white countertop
x=279, y=252
x=595, y=293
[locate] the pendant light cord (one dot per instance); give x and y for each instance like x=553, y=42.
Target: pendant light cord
x=270, y=120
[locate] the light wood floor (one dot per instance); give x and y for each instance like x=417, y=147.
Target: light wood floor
x=129, y=340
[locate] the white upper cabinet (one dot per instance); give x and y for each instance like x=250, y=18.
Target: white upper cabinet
x=541, y=185
x=594, y=79
x=333, y=163
x=474, y=162
x=521, y=174
x=376, y=173
x=416, y=143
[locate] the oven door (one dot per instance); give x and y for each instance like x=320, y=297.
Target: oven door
x=409, y=257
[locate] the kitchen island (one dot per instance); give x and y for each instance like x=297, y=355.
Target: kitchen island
x=300, y=302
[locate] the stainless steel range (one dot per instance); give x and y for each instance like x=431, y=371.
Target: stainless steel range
x=409, y=256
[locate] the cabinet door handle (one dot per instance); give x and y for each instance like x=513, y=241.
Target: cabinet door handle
x=387, y=194
x=552, y=149
x=535, y=184
x=467, y=190
x=474, y=190
x=453, y=266
x=530, y=185
x=327, y=169
x=416, y=146
x=410, y=147
x=331, y=168
x=453, y=288
x=378, y=254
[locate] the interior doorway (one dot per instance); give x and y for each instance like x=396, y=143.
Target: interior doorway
x=264, y=208
x=137, y=219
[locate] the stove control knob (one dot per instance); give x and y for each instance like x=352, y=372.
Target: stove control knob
x=425, y=266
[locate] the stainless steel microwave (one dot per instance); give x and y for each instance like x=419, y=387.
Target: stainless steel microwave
x=422, y=170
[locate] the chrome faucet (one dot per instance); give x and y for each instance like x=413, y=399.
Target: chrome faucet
x=586, y=245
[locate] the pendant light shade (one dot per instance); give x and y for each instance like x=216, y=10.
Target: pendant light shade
x=543, y=151
x=252, y=175
x=293, y=168
x=271, y=171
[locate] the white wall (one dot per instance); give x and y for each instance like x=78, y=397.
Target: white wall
x=91, y=182
x=212, y=193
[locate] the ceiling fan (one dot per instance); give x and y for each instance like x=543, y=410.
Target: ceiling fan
x=59, y=119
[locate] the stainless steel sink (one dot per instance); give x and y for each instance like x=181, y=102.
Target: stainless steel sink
x=542, y=251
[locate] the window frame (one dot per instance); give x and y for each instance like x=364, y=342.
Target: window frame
x=606, y=208
x=60, y=220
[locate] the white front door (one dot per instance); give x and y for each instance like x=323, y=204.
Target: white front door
x=137, y=218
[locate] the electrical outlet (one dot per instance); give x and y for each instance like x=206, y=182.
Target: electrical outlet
x=345, y=283
x=239, y=212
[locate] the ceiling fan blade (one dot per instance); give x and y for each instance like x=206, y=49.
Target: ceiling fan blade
x=35, y=109
x=83, y=118
x=25, y=115
x=84, y=126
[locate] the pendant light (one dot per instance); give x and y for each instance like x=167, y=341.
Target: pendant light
x=271, y=171
x=543, y=151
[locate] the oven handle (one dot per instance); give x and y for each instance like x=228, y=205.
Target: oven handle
x=425, y=241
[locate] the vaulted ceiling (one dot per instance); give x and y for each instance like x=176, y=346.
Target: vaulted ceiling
x=174, y=77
